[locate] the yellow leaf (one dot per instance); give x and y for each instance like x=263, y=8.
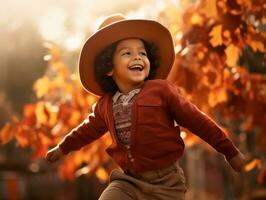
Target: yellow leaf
x=102, y=174
x=61, y=69
x=251, y=165
x=42, y=118
x=53, y=111
x=196, y=19
x=41, y=86
x=232, y=55
x=216, y=36
x=91, y=99
x=208, y=7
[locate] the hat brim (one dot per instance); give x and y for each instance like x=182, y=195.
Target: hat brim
x=148, y=30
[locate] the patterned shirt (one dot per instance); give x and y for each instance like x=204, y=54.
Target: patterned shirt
x=122, y=105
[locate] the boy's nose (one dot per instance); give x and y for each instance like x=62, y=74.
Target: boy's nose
x=137, y=57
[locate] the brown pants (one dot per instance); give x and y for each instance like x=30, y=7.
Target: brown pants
x=162, y=184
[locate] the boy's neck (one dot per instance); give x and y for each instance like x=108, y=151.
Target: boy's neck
x=126, y=89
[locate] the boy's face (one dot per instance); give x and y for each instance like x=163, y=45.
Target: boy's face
x=130, y=63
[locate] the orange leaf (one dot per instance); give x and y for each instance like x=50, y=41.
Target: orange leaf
x=24, y=136
x=256, y=40
x=29, y=115
x=257, y=45
x=64, y=111
x=74, y=118
x=226, y=34
x=218, y=96
x=232, y=55
x=6, y=133
x=40, y=152
x=216, y=35
x=67, y=169
x=44, y=139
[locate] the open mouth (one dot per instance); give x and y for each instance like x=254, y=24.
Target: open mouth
x=136, y=68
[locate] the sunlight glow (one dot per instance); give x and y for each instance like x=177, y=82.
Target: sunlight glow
x=50, y=26
x=73, y=42
x=183, y=134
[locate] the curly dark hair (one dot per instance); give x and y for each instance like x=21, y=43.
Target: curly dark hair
x=104, y=64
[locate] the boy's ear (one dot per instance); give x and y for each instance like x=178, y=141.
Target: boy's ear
x=109, y=73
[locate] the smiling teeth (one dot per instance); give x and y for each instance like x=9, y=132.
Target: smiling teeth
x=137, y=67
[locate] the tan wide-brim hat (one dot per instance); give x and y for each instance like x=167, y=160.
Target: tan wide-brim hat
x=117, y=27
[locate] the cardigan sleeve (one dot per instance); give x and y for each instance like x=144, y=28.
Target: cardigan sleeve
x=189, y=116
x=89, y=130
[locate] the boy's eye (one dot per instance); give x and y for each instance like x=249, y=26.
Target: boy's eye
x=143, y=53
x=126, y=53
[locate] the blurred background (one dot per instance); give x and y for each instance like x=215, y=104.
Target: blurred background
x=220, y=66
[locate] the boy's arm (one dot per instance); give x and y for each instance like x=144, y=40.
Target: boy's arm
x=89, y=130
x=189, y=116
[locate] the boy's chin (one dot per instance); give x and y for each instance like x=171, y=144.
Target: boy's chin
x=138, y=81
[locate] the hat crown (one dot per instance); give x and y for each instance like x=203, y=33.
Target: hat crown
x=111, y=19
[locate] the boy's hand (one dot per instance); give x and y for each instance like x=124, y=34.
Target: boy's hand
x=54, y=154
x=237, y=162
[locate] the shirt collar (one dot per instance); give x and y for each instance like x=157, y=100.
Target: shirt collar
x=132, y=93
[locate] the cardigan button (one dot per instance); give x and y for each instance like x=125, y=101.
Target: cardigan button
x=129, y=155
x=132, y=160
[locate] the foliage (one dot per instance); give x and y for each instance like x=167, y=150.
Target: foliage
x=210, y=37
x=61, y=104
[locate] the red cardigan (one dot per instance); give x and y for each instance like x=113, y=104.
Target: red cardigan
x=155, y=140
